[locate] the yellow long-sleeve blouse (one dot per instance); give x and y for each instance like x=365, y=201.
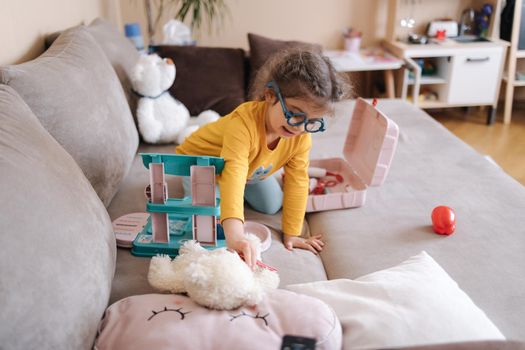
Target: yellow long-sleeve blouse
x=240, y=138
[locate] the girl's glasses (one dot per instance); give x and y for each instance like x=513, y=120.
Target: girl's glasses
x=296, y=119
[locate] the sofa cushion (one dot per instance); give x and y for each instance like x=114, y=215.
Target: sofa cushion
x=431, y=167
x=413, y=303
x=76, y=95
x=58, y=248
x=207, y=77
x=297, y=266
x=157, y=321
x=472, y=345
x=261, y=48
x=121, y=54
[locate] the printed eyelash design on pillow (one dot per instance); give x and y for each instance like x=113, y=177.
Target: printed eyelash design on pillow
x=257, y=316
x=182, y=314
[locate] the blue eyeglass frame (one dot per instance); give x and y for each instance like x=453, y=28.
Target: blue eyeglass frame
x=289, y=115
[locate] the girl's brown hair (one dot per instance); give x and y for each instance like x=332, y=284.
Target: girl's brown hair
x=302, y=73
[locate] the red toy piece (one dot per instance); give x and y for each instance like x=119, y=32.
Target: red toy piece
x=260, y=263
x=443, y=220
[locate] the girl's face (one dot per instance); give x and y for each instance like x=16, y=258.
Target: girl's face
x=276, y=123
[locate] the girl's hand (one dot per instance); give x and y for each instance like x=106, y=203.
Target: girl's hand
x=236, y=240
x=313, y=244
x=244, y=247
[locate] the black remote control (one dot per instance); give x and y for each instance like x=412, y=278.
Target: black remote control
x=293, y=342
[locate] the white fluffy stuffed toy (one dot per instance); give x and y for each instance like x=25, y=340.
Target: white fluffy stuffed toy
x=217, y=279
x=161, y=117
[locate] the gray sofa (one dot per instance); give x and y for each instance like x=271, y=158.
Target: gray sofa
x=69, y=166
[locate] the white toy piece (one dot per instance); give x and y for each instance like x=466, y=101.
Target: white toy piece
x=161, y=117
x=218, y=279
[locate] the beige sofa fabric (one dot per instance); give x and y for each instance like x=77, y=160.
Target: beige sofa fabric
x=431, y=167
x=474, y=345
x=58, y=248
x=298, y=266
x=121, y=54
x=78, y=98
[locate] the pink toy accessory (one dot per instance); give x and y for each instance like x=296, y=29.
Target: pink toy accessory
x=203, y=195
x=260, y=264
x=127, y=227
x=159, y=221
x=261, y=231
x=368, y=151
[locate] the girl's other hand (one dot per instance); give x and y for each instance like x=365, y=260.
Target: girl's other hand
x=313, y=244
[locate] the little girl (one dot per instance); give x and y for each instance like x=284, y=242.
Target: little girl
x=294, y=91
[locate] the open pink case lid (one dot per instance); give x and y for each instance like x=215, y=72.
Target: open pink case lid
x=370, y=143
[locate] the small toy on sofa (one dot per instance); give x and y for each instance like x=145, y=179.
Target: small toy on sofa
x=443, y=220
x=217, y=279
x=162, y=118
x=321, y=179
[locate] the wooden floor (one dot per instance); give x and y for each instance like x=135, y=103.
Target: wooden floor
x=504, y=143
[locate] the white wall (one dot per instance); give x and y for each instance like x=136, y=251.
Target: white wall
x=25, y=23
x=307, y=20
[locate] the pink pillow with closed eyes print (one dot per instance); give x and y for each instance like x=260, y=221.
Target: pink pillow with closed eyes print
x=174, y=321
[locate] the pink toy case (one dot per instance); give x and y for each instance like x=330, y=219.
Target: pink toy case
x=368, y=151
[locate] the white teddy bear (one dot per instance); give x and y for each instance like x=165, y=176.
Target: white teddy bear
x=161, y=117
x=218, y=279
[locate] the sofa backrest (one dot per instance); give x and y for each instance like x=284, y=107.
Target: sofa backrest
x=262, y=48
x=75, y=93
x=120, y=52
x=207, y=77
x=220, y=78
x=58, y=247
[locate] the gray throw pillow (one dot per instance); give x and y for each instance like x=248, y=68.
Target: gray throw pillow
x=118, y=49
x=76, y=95
x=58, y=247
x=262, y=48
x=121, y=53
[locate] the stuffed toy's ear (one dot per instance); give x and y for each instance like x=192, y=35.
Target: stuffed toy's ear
x=191, y=247
x=207, y=116
x=136, y=74
x=266, y=279
x=163, y=275
x=185, y=133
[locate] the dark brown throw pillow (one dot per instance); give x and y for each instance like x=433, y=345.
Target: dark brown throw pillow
x=261, y=48
x=207, y=77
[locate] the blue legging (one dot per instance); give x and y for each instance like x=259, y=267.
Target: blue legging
x=264, y=196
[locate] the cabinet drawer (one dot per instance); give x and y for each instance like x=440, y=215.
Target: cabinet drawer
x=475, y=77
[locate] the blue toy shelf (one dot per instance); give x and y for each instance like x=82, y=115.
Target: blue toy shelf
x=173, y=221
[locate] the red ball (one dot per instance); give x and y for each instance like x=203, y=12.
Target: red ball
x=443, y=220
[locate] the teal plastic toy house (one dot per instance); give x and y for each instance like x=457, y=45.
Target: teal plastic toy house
x=173, y=221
